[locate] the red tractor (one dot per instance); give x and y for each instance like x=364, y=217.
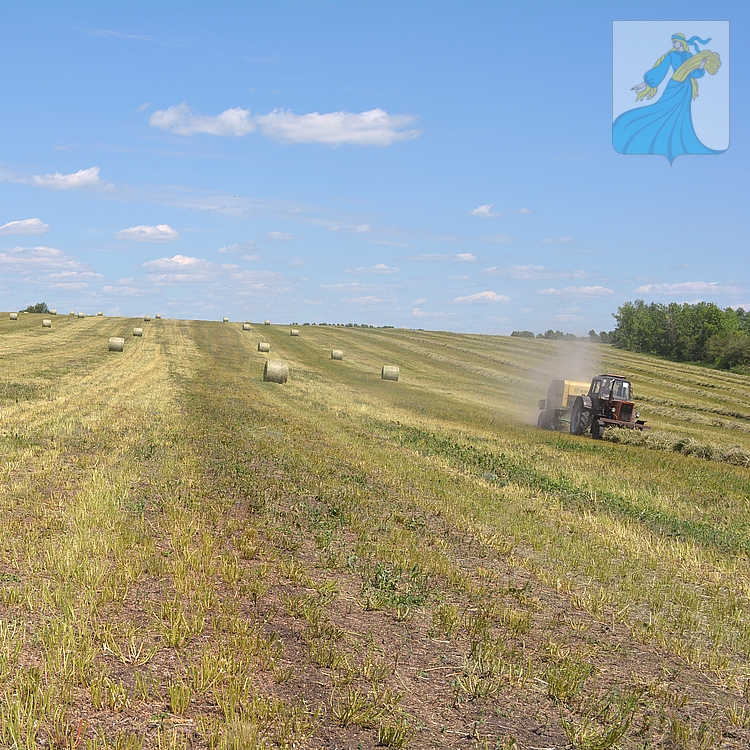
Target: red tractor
x=608, y=402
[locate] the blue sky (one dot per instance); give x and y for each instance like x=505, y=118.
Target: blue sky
x=428, y=165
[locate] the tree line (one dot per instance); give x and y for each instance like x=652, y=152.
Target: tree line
x=702, y=332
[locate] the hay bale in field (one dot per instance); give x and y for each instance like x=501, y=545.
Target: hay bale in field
x=46, y=323
x=294, y=332
x=138, y=332
x=147, y=318
x=266, y=322
x=14, y=316
x=81, y=315
x=389, y=372
x=158, y=316
x=116, y=343
x=72, y=312
x=246, y=326
x=264, y=346
x=53, y=312
x=275, y=371
x=100, y=315
x=225, y=320
x=337, y=354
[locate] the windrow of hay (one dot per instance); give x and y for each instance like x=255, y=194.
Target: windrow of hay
x=389, y=372
x=264, y=346
x=46, y=323
x=294, y=332
x=246, y=326
x=116, y=343
x=337, y=354
x=663, y=441
x=138, y=332
x=275, y=371
x=14, y=316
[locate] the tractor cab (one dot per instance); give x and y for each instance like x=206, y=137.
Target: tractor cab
x=609, y=402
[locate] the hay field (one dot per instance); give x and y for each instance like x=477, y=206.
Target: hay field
x=193, y=558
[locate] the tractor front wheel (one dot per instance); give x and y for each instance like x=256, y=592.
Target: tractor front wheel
x=580, y=418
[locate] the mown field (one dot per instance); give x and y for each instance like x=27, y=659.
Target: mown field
x=193, y=558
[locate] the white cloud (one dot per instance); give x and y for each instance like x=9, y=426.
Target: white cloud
x=372, y=128
x=240, y=247
x=83, y=178
x=580, y=291
x=141, y=233
x=459, y=257
x=417, y=312
x=24, y=226
x=688, y=287
x=378, y=268
x=349, y=285
x=280, y=236
x=485, y=211
x=559, y=239
x=487, y=296
x=181, y=262
x=520, y=211
x=497, y=238
x=363, y=229
x=370, y=300
x=45, y=258
x=143, y=107
x=533, y=273
x=420, y=301
x=180, y=120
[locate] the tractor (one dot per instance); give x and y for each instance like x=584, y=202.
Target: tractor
x=607, y=403
x=555, y=410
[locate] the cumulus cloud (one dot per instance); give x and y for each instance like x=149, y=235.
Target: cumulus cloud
x=47, y=258
x=688, y=287
x=559, y=239
x=176, y=262
x=181, y=120
x=83, y=178
x=142, y=233
x=24, y=226
x=372, y=128
x=179, y=269
x=240, y=247
x=580, y=291
x=532, y=273
x=487, y=296
x=458, y=257
x=378, y=268
x=485, y=211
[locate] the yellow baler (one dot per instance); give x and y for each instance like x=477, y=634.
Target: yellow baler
x=555, y=410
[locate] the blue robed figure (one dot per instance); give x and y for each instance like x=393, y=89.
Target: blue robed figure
x=666, y=127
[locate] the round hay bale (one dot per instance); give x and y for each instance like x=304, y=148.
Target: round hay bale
x=46, y=323
x=275, y=371
x=225, y=320
x=53, y=312
x=100, y=315
x=14, y=316
x=81, y=315
x=72, y=312
x=264, y=346
x=147, y=318
x=337, y=354
x=246, y=326
x=158, y=316
x=116, y=343
x=389, y=372
x=138, y=332
x=294, y=332
x=266, y=322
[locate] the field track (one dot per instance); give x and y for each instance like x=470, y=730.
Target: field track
x=193, y=558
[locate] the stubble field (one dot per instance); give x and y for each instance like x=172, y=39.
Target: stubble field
x=192, y=558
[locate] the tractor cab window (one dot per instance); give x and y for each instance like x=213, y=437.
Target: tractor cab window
x=596, y=387
x=622, y=390
x=606, y=387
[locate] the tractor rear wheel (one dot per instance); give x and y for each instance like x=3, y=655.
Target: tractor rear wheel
x=544, y=420
x=580, y=418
